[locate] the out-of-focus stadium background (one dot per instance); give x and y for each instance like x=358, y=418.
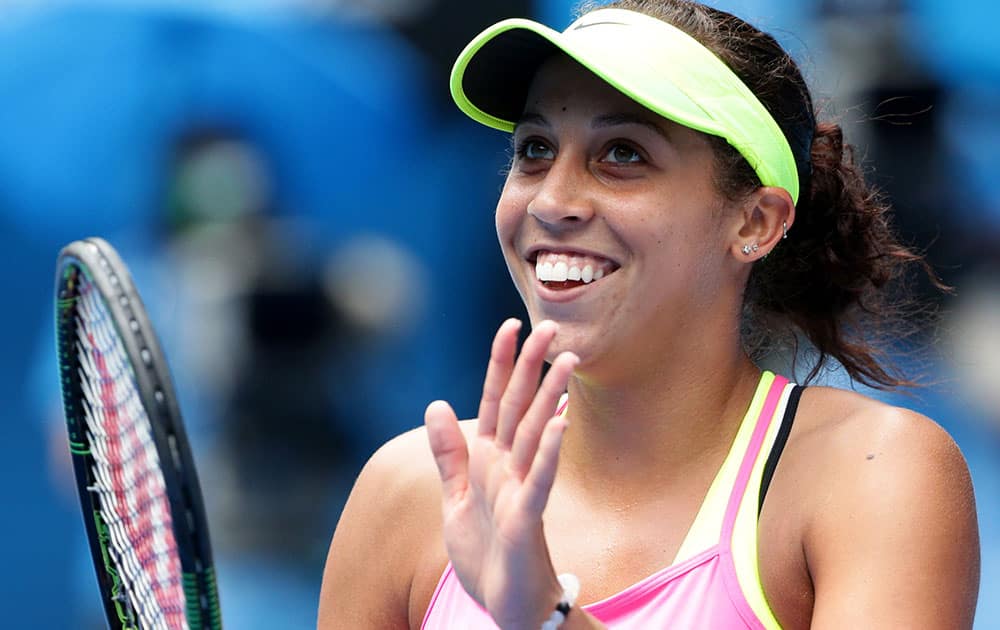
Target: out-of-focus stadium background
x=310, y=222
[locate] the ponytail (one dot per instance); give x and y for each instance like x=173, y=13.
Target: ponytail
x=840, y=276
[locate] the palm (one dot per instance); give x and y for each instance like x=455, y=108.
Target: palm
x=495, y=488
x=489, y=521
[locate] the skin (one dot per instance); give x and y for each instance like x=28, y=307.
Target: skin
x=870, y=518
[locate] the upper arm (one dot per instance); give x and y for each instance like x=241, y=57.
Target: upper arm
x=894, y=542
x=377, y=544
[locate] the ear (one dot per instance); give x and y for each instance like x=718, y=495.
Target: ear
x=767, y=215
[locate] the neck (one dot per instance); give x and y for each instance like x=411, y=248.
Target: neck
x=680, y=418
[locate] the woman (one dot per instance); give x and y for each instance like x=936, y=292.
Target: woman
x=644, y=222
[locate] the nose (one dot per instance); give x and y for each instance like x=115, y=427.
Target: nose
x=561, y=197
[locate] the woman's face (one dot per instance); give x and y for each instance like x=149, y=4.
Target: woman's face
x=610, y=222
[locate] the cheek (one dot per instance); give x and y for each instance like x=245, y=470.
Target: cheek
x=509, y=213
x=680, y=250
x=508, y=223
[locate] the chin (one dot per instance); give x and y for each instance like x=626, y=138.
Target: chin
x=575, y=337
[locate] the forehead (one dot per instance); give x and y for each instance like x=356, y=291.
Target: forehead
x=561, y=81
x=563, y=88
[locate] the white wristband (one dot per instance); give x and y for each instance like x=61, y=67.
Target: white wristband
x=571, y=589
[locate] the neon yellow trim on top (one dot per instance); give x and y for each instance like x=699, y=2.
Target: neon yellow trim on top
x=744, y=544
x=706, y=530
x=662, y=68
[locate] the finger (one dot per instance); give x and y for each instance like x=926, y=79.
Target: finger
x=529, y=432
x=451, y=453
x=542, y=474
x=498, y=374
x=523, y=382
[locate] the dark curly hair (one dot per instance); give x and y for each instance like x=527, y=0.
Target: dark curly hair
x=840, y=277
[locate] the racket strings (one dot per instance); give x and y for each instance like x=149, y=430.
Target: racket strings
x=127, y=475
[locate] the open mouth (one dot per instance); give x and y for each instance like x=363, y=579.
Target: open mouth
x=560, y=271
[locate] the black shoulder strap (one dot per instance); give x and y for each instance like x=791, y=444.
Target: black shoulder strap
x=779, y=443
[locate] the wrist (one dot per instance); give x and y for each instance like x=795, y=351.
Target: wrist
x=570, y=590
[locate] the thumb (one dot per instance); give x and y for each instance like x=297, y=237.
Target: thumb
x=450, y=450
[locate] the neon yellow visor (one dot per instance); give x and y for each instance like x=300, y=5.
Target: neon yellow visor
x=652, y=62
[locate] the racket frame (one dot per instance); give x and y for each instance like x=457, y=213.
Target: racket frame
x=100, y=264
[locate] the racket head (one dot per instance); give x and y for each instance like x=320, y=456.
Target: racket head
x=136, y=478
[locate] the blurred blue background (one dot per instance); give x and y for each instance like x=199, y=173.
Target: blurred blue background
x=310, y=223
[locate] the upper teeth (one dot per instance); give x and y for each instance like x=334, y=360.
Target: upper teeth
x=561, y=270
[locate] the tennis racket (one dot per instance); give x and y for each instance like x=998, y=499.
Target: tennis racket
x=138, y=489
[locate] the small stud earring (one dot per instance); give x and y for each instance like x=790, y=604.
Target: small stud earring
x=755, y=247
x=746, y=250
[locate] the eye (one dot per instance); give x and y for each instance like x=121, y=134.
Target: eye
x=533, y=149
x=622, y=154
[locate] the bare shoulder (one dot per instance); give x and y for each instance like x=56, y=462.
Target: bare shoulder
x=830, y=411
x=399, y=467
x=881, y=494
x=388, y=536
x=865, y=448
x=851, y=437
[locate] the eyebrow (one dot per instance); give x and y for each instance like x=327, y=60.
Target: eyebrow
x=532, y=118
x=624, y=118
x=601, y=122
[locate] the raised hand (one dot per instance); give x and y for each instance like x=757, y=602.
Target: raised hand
x=496, y=487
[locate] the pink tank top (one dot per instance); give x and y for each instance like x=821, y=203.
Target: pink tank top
x=709, y=589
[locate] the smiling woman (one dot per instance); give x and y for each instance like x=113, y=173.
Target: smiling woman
x=672, y=208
